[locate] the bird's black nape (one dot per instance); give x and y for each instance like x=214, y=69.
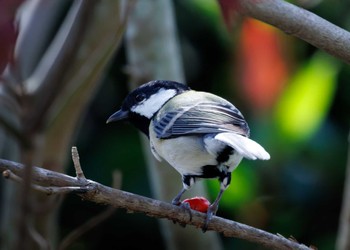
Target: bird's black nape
x=145, y=90
x=166, y=84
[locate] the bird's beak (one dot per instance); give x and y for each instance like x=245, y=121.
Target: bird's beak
x=119, y=115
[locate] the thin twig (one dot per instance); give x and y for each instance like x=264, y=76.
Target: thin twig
x=76, y=161
x=88, y=225
x=101, y=194
x=38, y=238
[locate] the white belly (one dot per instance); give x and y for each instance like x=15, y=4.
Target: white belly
x=186, y=154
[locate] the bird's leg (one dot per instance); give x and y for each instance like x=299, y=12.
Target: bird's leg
x=187, y=181
x=213, y=208
x=177, y=200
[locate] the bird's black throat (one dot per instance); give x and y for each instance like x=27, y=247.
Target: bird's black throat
x=140, y=122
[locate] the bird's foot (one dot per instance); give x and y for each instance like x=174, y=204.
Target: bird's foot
x=176, y=202
x=185, y=206
x=210, y=213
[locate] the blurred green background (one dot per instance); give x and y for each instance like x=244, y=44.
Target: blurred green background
x=296, y=101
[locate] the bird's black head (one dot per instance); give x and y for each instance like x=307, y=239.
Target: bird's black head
x=142, y=103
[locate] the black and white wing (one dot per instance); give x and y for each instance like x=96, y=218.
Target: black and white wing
x=200, y=115
x=205, y=113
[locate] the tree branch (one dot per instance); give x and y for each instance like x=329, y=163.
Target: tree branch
x=98, y=193
x=300, y=23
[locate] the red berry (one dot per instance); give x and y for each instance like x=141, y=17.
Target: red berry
x=199, y=204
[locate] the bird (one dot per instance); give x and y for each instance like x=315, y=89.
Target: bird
x=199, y=134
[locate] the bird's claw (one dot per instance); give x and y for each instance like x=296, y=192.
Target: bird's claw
x=210, y=213
x=176, y=202
x=186, y=207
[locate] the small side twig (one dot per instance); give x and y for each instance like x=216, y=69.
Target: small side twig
x=76, y=161
x=88, y=225
x=38, y=238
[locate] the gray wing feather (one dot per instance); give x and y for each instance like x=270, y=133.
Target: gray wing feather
x=190, y=120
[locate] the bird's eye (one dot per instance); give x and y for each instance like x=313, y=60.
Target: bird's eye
x=140, y=97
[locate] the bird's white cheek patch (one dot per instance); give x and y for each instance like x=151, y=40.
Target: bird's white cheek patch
x=150, y=106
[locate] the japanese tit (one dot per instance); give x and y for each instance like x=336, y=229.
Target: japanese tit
x=200, y=134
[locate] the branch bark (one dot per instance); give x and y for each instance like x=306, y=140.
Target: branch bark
x=98, y=193
x=300, y=23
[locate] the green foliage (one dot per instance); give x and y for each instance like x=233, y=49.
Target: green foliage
x=305, y=103
x=243, y=188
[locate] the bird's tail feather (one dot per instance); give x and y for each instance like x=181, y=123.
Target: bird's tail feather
x=244, y=146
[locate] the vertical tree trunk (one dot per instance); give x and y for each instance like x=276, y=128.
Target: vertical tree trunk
x=343, y=240
x=153, y=53
x=9, y=149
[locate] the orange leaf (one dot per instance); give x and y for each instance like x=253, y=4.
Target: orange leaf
x=263, y=68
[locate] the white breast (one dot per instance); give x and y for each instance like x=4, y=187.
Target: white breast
x=186, y=154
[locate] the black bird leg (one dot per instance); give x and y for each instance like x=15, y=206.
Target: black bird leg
x=213, y=208
x=177, y=200
x=225, y=181
x=187, y=181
